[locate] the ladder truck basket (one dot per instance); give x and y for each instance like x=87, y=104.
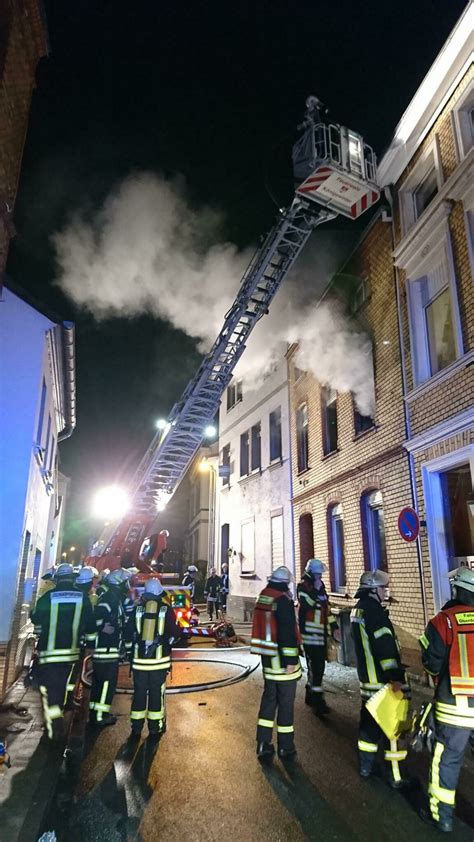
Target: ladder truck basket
x=336, y=168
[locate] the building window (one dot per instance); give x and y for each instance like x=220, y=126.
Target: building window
x=362, y=423
x=234, y=394
x=373, y=527
x=256, y=450
x=420, y=188
x=39, y=432
x=432, y=320
x=225, y=537
x=464, y=121
x=329, y=415
x=48, y=443
x=336, y=544
x=275, y=434
x=458, y=509
x=247, y=552
x=361, y=295
x=306, y=539
x=250, y=450
x=302, y=441
x=278, y=553
x=225, y=461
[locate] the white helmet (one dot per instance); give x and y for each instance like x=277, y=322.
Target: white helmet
x=86, y=575
x=281, y=574
x=116, y=577
x=191, y=568
x=49, y=574
x=462, y=577
x=154, y=587
x=315, y=566
x=374, y=579
x=64, y=571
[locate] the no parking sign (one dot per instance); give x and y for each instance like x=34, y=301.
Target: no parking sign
x=408, y=524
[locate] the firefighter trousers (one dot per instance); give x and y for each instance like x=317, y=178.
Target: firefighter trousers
x=448, y=754
x=316, y=663
x=104, y=683
x=149, y=700
x=278, y=699
x=212, y=606
x=371, y=737
x=56, y=681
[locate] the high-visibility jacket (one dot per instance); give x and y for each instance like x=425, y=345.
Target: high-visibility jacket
x=275, y=634
x=153, y=628
x=314, y=616
x=448, y=655
x=376, y=645
x=109, y=610
x=63, y=620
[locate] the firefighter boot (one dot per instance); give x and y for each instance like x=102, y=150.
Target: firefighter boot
x=265, y=751
x=368, y=766
x=320, y=706
x=444, y=823
x=107, y=719
x=309, y=697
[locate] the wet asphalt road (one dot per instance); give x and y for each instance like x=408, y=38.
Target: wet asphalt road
x=203, y=780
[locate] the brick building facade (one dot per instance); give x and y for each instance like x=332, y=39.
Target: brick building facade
x=410, y=287
x=23, y=41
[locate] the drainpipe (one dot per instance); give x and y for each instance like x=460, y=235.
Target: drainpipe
x=411, y=463
x=69, y=373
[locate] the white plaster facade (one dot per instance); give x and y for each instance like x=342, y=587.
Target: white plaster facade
x=255, y=509
x=37, y=410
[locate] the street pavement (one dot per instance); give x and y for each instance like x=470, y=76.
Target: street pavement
x=203, y=780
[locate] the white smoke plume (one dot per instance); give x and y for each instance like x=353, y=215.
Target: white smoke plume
x=147, y=251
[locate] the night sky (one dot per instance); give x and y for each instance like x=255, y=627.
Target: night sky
x=212, y=91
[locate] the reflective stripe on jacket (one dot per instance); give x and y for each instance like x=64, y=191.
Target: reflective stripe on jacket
x=376, y=645
x=63, y=620
x=275, y=634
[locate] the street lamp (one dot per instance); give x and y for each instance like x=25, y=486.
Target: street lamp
x=210, y=431
x=72, y=549
x=111, y=503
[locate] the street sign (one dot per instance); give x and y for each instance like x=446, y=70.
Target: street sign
x=408, y=524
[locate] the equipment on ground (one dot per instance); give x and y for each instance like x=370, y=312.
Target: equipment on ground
x=336, y=174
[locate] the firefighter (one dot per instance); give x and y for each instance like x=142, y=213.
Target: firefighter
x=110, y=622
x=211, y=593
x=47, y=580
x=85, y=583
x=189, y=580
x=378, y=663
x=314, y=619
x=224, y=592
x=275, y=637
x=152, y=628
x=62, y=618
x=448, y=655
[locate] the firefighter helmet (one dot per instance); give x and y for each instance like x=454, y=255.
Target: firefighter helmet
x=64, y=571
x=374, y=579
x=315, y=567
x=49, y=574
x=462, y=577
x=86, y=575
x=117, y=577
x=191, y=568
x=154, y=587
x=281, y=574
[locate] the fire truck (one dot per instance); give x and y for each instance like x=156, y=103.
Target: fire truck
x=335, y=173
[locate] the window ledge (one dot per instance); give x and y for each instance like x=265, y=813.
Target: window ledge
x=249, y=477
x=328, y=455
x=248, y=576
x=303, y=471
x=440, y=376
x=275, y=463
x=364, y=433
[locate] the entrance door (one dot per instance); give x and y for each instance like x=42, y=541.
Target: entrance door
x=306, y=539
x=448, y=488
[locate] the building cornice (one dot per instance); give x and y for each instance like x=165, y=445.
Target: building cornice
x=444, y=75
x=450, y=427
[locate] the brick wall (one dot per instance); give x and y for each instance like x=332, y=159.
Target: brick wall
x=372, y=460
x=23, y=43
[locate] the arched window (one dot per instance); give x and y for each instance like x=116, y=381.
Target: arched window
x=306, y=539
x=336, y=547
x=373, y=527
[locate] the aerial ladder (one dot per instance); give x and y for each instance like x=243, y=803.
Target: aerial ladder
x=335, y=173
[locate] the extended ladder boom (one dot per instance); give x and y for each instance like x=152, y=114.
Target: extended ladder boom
x=170, y=454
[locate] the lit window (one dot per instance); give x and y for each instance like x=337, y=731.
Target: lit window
x=336, y=542
x=275, y=434
x=373, y=527
x=439, y=326
x=329, y=413
x=234, y=394
x=302, y=437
